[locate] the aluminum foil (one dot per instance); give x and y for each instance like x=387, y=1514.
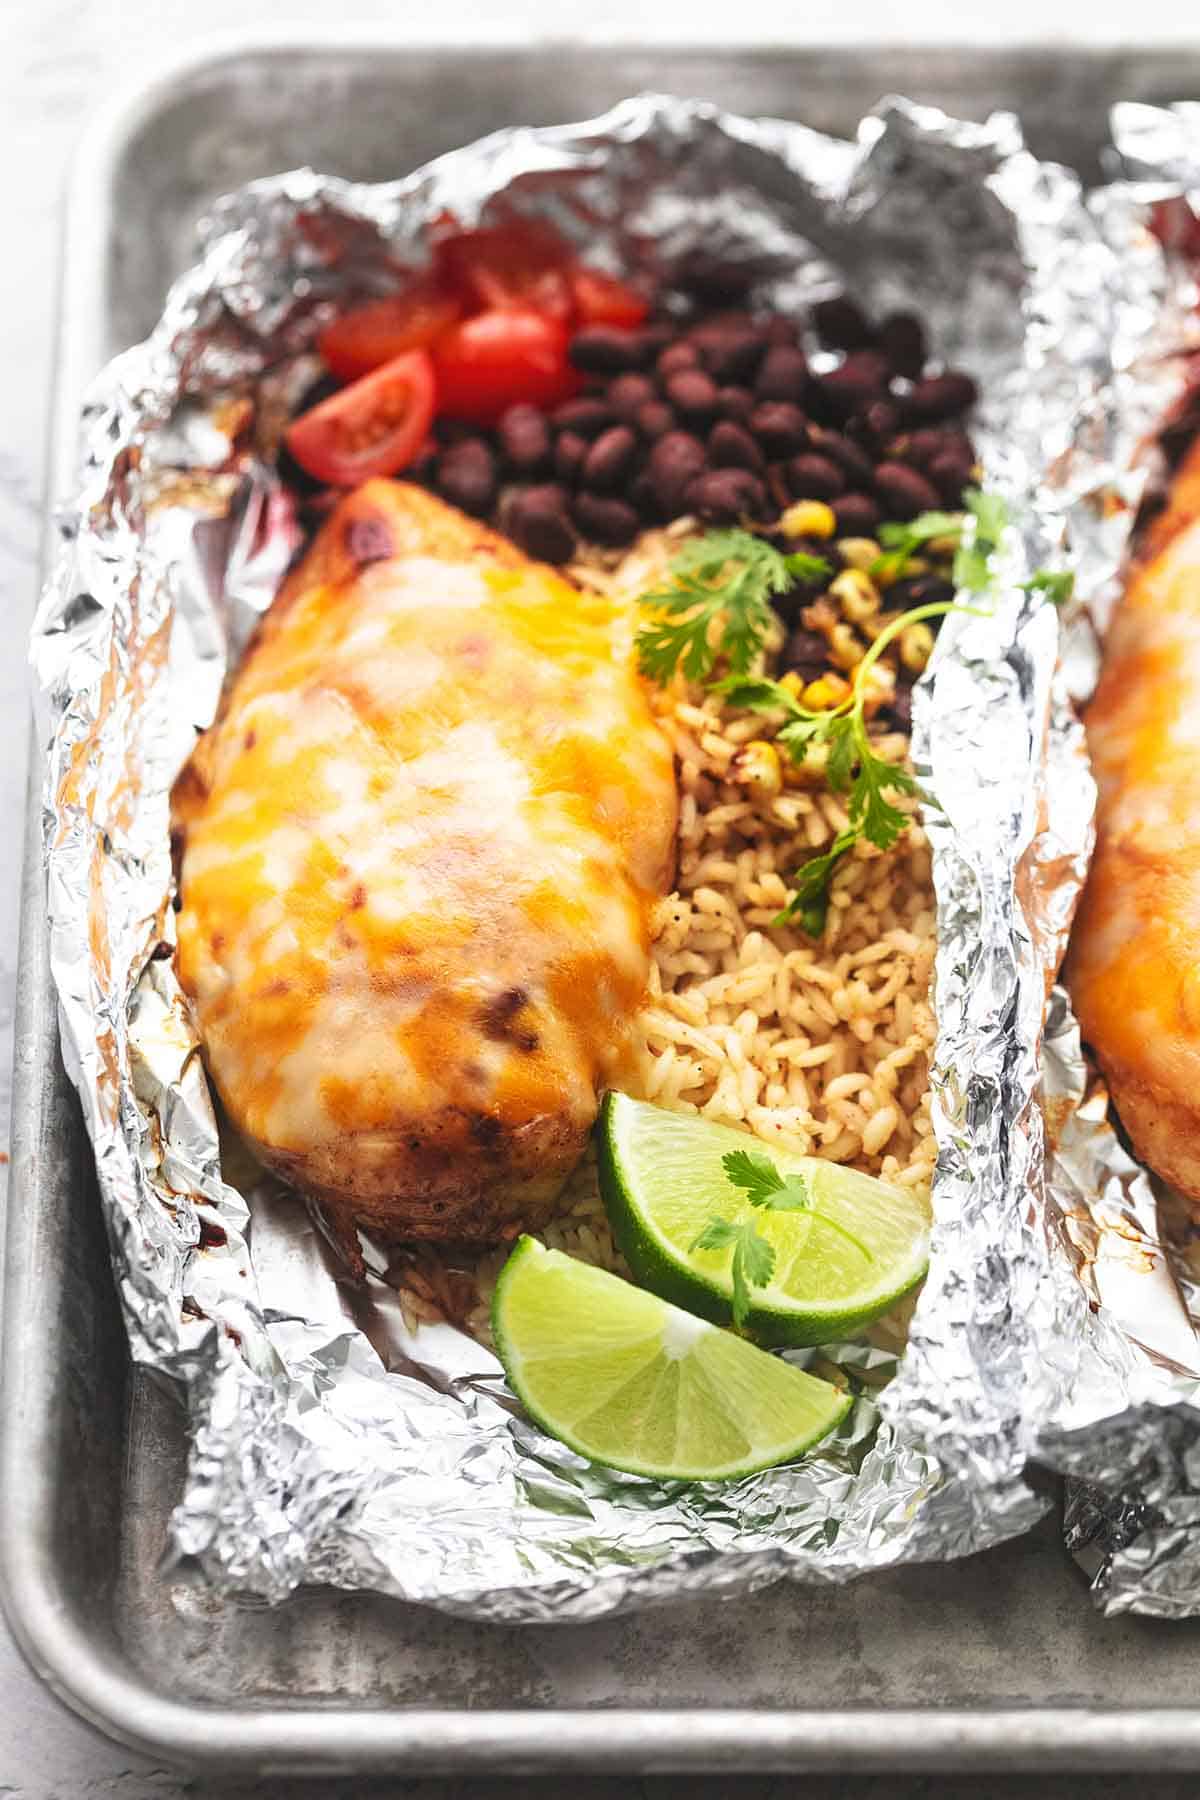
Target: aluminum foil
x=329, y=1442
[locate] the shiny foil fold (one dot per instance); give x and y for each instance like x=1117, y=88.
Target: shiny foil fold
x=328, y=1441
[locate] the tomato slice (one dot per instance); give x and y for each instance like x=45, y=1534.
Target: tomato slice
x=499, y=358
x=603, y=300
x=374, y=427
x=521, y=264
x=380, y=330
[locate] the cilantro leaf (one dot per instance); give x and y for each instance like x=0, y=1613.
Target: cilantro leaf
x=806, y=567
x=880, y=822
x=757, y=1175
x=990, y=512
x=718, y=1234
x=756, y=693
x=901, y=542
x=972, y=561
x=757, y=1256
x=798, y=734
x=725, y=576
x=1057, y=585
x=843, y=749
x=809, y=903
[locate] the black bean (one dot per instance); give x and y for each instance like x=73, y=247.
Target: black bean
x=950, y=475
x=675, y=357
x=813, y=477
x=606, y=350
x=606, y=521
x=729, y=354
x=876, y=425
x=736, y=403
x=569, y=453
x=941, y=396
x=654, y=419
x=861, y=380
x=841, y=323
x=857, y=515
x=730, y=446
x=917, y=590
x=779, y=426
x=721, y=496
x=849, y=456
x=783, y=375
x=806, y=652
x=917, y=447
x=693, y=394
x=903, y=493
x=902, y=340
x=524, y=434
x=588, y=417
x=536, y=519
x=643, y=496
x=608, y=461
x=629, y=393
x=466, y=476
x=675, y=460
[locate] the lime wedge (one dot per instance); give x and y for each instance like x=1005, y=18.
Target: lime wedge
x=626, y=1379
x=861, y=1247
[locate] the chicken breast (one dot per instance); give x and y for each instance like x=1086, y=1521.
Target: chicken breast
x=420, y=850
x=1134, y=964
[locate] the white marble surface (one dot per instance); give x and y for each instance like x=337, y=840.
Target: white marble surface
x=59, y=60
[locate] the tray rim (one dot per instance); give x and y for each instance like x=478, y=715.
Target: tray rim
x=297, y=1739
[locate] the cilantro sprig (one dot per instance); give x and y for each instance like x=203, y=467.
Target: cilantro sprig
x=853, y=766
x=754, y=1255
x=727, y=575
x=975, y=533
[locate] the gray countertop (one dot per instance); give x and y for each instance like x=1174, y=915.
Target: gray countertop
x=61, y=57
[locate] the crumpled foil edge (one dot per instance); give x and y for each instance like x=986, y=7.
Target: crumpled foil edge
x=329, y=1442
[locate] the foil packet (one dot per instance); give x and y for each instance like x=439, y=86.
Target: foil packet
x=331, y=1443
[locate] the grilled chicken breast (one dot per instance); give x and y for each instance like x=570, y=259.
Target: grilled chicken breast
x=419, y=852
x=1134, y=964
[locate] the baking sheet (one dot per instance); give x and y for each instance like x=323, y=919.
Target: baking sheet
x=931, y=1637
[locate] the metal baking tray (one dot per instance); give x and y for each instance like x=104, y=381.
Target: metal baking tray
x=998, y=1662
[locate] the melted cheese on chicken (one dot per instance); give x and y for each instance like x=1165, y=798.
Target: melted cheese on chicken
x=420, y=850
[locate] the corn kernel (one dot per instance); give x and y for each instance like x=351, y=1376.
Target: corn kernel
x=856, y=594
x=859, y=553
x=757, y=765
x=809, y=518
x=793, y=683
x=845, y=647
x=826, y=692
x=916, y=646
x=877, y=687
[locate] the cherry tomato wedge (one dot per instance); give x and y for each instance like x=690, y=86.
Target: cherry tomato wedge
x=380, y=330
x=498, y=358
x=521, y=264
x=603, y=300
x=374, y=427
